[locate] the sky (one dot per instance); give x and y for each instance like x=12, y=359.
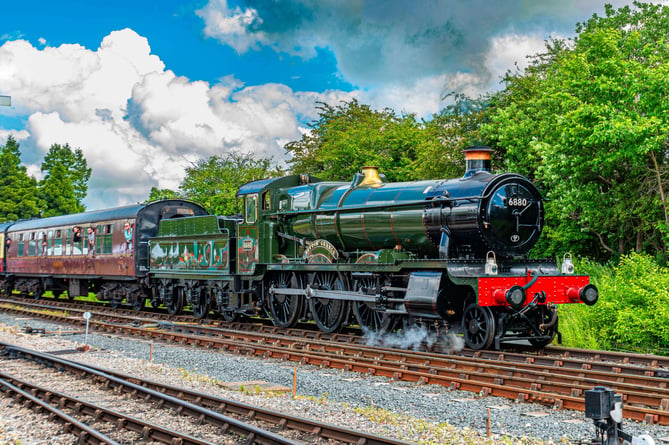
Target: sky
x=146, y=88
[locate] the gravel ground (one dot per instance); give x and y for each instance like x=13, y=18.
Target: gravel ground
x=404, y=410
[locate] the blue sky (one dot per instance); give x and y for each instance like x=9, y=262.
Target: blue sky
x=146, y=88
x=175, y=33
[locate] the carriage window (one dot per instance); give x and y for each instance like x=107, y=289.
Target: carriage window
x=19, y=246
x=69, y=242
x=103, y=243
x=106, y=242
x=58, y=243
x=49, y=243
x=32, y=250
x=41, y=244
x=251, y=208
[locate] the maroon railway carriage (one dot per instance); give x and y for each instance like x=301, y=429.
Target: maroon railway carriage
x=103, y=251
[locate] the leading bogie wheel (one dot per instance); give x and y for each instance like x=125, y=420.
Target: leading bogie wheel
x=478, y=324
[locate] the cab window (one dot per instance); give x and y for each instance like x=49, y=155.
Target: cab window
x=266, y=203
x=251, y=208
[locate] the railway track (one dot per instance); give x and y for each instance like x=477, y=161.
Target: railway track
x=556, y=377
x=210, y=414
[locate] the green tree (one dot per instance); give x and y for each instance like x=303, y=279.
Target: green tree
x=350, y=136
x=444, y=137
x=158, y=194
x=76, y=167
x=57, y=193
x=588, y=120
x=18, y=190
x=65, y=181
x=215, y=181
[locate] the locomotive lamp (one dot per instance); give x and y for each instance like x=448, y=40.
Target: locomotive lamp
x=491, y=267
x=567, y=265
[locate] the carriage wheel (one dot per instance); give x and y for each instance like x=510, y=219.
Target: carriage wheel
x=285, y=309
x=138, y=300
x=328, y=314
x=202, y=305
x=367, y=317
x=479, y=325
x=116, y=298
x=176, y=302
x=39, y=290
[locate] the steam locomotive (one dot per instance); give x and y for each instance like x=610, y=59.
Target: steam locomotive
x=447, y=254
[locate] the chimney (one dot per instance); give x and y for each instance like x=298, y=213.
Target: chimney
x=477, y=160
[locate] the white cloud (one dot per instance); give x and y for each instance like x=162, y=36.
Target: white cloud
x=138, y=124
x=232, y=25
x=427, y=95
x=19, y=135
x=389, y=41
x=510, y=50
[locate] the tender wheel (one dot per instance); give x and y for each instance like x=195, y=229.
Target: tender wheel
x=175, y=301
x=223, y=304
x=202, y=305
x=284, y=309
x=479, y=326
x=328, y=314
x=368, y=318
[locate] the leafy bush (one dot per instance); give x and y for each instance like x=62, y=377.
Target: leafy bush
x=632, y=312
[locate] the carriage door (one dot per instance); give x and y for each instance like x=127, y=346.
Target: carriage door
x=247, y=237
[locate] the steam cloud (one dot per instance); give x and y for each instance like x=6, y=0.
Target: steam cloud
x=415, y=338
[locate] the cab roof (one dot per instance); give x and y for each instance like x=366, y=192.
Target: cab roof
x=283, y=181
